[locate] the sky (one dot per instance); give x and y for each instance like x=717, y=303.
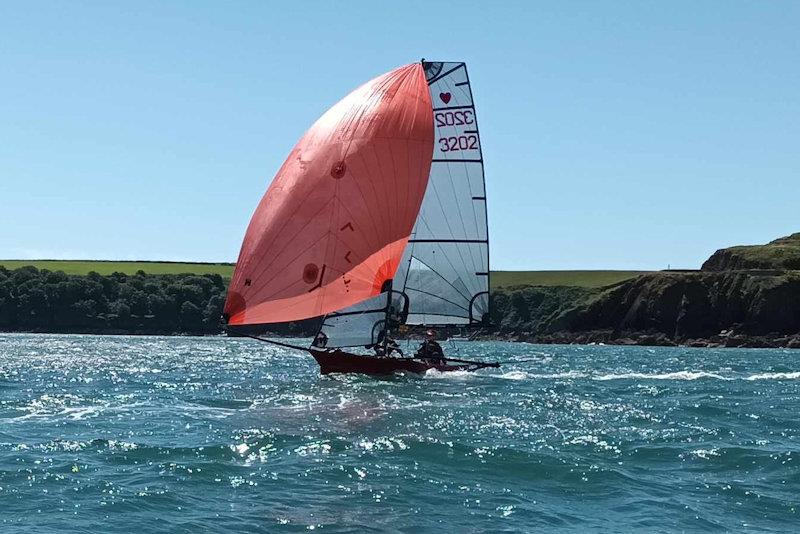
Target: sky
x=616, y=135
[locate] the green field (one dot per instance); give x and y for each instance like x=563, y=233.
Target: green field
x=127, y=267
x=499, y=278
x=560, y=278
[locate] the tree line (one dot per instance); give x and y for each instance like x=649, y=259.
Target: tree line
x=35, y=300
x=40, y=300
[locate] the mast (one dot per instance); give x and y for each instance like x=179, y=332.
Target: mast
x=387, y=317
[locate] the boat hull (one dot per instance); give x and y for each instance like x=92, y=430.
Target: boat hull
x=338, y=361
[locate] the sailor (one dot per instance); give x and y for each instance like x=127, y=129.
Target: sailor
x=430, y=349
x=321, y=341
x=387, y=346
x=392, y=346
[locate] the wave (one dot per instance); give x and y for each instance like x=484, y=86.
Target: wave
x=677, y=375
x=522, y=375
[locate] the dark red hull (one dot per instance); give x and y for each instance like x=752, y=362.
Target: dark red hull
x=338, y=361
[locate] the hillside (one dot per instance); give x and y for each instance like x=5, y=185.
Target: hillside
x=783, y=253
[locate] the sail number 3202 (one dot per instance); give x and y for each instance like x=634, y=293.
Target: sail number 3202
x=458, y=142
x=455, y=118
x=453, y=143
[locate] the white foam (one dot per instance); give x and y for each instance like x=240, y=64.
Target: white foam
x=522, y=375
x=459, y=375
x=568, y=374
x=705, y=454
x=775, y=376
x=513, y=375
x=678, y=375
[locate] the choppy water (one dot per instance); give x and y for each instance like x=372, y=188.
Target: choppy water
x=120, y=434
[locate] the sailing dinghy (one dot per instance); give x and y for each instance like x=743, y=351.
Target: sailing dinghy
x=377, y=219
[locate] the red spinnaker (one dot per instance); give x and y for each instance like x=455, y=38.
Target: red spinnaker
x=333, y=224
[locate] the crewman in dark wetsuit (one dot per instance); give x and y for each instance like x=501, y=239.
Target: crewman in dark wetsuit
x=430, y=350
x=321, y=341
x=385, y=347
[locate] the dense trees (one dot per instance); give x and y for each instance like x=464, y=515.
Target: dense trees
x=46, y=301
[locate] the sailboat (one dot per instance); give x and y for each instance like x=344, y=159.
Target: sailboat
x=377, y=219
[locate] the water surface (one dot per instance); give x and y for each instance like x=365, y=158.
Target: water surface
x=155, y=434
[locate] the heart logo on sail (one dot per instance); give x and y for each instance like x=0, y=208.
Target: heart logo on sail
x=445, y=97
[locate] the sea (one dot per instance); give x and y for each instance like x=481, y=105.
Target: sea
x=107, y=434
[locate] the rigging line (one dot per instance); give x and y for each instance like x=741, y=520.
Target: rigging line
x=440, y=76
x=440, y=298
x=443, y=240
x=449, y=261
x=435, y=314
x=265, y=340
x=408, y=266
x=443, y=278
x=359, y=312
x=474, y=362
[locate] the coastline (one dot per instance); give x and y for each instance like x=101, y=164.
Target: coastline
x=597, y=337
x=650, y=339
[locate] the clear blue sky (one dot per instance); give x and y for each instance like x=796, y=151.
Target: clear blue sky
x=616, y=134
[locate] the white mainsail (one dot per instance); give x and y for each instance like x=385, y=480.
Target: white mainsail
x=445, y=269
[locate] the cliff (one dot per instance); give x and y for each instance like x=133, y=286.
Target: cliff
x=781, y=254
x=744, y=296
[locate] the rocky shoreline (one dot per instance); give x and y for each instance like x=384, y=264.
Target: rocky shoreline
x=728, y=339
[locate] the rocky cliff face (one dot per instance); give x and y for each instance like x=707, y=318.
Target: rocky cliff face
x=691, y=305
x=741, y=291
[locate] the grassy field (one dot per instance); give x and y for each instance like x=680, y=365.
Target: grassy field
x=560, y=278
x=499, y=278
